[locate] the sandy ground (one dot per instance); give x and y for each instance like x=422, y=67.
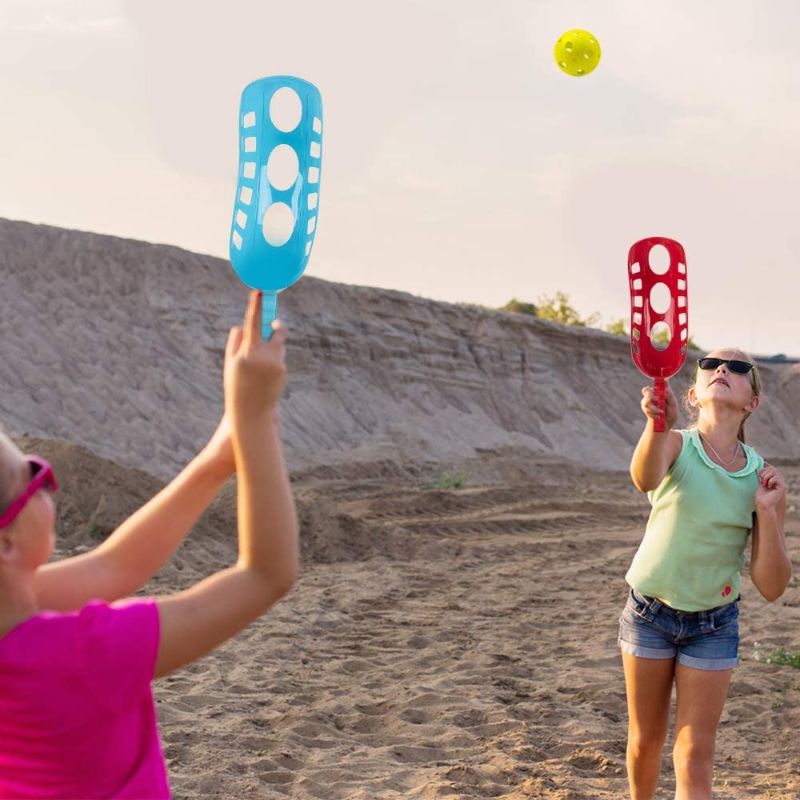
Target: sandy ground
x=468, y=651
x=452, y=643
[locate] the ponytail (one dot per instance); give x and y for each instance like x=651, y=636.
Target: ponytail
x=6, y=473
x=741, y=435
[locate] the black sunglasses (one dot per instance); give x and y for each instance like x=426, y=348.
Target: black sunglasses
x=739, y=367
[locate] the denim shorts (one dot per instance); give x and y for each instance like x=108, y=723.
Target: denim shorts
x=708, y=639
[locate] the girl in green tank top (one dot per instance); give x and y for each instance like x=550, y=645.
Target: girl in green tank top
x=710, y=492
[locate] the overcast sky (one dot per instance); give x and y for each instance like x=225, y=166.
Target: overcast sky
x=459, y=163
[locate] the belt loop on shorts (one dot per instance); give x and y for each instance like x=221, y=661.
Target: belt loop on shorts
x=655, y=605
x=707, y=620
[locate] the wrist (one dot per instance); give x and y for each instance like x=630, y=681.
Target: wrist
x=765, y=512
x=245, y=427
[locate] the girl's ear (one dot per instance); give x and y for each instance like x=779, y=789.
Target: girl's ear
x=6, y=546
x=754, y=403
x=691, y=397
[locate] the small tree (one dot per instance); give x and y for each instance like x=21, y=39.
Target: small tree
x=558, y=309
x=518, y=307
x=618, y=328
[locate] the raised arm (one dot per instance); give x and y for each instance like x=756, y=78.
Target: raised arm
x=199, y=619
x=139, y=547
x=770, y=566
x=656, y=452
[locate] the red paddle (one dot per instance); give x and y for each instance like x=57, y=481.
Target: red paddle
x=658, y=296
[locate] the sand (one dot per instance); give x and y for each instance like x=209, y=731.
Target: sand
x=440, y=644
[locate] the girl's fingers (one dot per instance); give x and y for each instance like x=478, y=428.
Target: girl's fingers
x=648, y=392
x=652, y=408
x=771, y=481
x=252, y=320
x=234, y=340
x=770, y=477
x=279, y=332
x=277, y=340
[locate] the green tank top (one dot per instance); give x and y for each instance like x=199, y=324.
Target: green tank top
x=692, y=552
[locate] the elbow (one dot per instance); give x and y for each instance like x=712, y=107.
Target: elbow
x=266, y=585
x=640, y=484
x=284, y=581
x=772, y=595
x=269, y=589
x=290, y=569
x=774, y=592
x=285, y=574
x=278, y=581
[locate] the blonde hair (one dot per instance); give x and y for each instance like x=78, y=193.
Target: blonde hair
x=8, y=476
x=755, y=383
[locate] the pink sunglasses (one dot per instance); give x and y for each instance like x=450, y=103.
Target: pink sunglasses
x=41, y=475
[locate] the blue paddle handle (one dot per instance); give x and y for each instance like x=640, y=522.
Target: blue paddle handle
x=269, y=312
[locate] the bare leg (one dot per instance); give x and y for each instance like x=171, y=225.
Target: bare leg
x=700, y=698
x=648, y=683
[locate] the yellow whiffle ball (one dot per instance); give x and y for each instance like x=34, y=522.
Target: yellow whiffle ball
x=577, y=53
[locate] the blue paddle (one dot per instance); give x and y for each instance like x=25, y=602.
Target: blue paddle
x=277, y=191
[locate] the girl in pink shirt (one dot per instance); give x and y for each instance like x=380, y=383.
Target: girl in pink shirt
x=77, y=718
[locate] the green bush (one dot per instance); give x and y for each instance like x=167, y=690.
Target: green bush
x=559, y=309
x=554, y=309
x=618, y=328
x=780, y=656
x=518, y=307
x=448, y=480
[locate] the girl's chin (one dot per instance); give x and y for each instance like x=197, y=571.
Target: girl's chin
x=719, y=400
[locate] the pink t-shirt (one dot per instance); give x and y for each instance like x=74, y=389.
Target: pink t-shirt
x=77, y=718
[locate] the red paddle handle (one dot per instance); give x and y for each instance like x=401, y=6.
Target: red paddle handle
x=660, y=422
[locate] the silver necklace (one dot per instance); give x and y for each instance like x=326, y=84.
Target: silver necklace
x=719, y=457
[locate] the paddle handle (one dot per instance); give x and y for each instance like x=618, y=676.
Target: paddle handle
x=269, y=312
x=660, y=422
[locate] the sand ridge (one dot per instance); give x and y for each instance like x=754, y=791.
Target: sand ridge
x=117, y=345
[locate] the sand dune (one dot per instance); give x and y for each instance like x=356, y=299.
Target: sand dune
x=117, y=345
